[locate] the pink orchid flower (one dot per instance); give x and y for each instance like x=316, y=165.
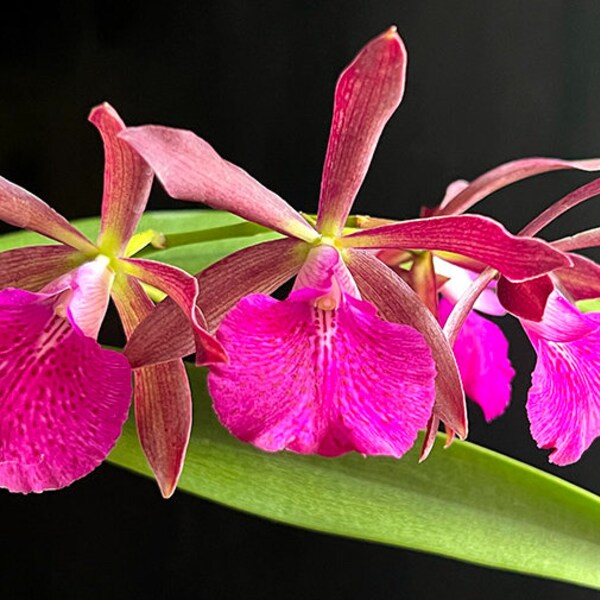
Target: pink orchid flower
x=348, y=361
x=564, y=399
x=63, y=397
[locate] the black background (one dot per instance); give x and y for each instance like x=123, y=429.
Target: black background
x=488, y=81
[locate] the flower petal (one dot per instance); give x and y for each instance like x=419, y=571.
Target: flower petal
x=526, y=300
x=321, y=381
x=459, y=280
x=22, y=209
x=481, y=238
x=166, y=333
x=90, y=287
x=127, y=182
x=582, y=280
x=32, y=267
x=366, y=95
x=183, y=289
x=162, y=398
x=398, y=303
x=190, y=169
x=509, y=173
x=63, y=398
x=564, y=399
x=481, y=351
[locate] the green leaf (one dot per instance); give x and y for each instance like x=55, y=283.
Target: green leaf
x=464, y=502
x=192, y=258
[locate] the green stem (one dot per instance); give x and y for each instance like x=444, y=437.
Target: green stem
x=173, y=240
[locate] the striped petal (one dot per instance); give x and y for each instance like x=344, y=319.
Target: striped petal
x=506, y=174
x=162, y=398
x=190, y=169
x=166, y=333
x=481, y=351
x=582, y=280
x=32, y=267
x=127, y=181
x=321, y=381
x=183, y=289
x=398, y=303
x=477, y=237
x=63, y=398
x=366, y=95
x=564, y=400
x=22, y=209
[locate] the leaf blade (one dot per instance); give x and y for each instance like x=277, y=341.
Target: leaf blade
x=466, y=502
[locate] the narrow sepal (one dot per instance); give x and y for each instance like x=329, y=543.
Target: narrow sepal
x=162, y=396
x=22, y=209
x=398, y=303
x=127, y=182
x=474, y=236
x=190, y=169
x=582, y=279
x=166, y=334
x=366, y=95
x=183, y=289
x=32, y=267
x=506, y=174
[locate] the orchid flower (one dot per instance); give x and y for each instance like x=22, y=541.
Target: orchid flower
x=349, y=360
x=63, y=397
x=563, y=402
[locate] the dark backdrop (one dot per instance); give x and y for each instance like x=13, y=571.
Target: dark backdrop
x=488, y=81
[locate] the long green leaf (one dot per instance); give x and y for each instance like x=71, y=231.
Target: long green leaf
x=464, y=502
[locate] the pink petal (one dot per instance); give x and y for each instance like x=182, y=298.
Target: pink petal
x=564, y=399
x=127, y=182
x=477, y=237
x=90, y=287
x=32, y=267
x=459, y=280
x=183, y=289
x=325, y=382
x=63, y=398
x=162, y=399
x=20, y=208
x=509, y=173
x=582, y=280
x=481, y=351
x=398, y=303
x=366, y=95
x=526, y=300
x=190, y=169
x=166, y=334
x=562, y=322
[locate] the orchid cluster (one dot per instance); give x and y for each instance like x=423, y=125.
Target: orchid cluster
x=382, y=334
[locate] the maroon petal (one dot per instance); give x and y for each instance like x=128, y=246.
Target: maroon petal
x=22, y=209
x=506, y=174
x=183, y=289
x=190, y=169
x=127, y=182
x=162, y=396
x=526, y=300
x=398, y=303
x=166, y=333
x=582, y=280
x=481, y=238
x=366, y=95
x=32, y=267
